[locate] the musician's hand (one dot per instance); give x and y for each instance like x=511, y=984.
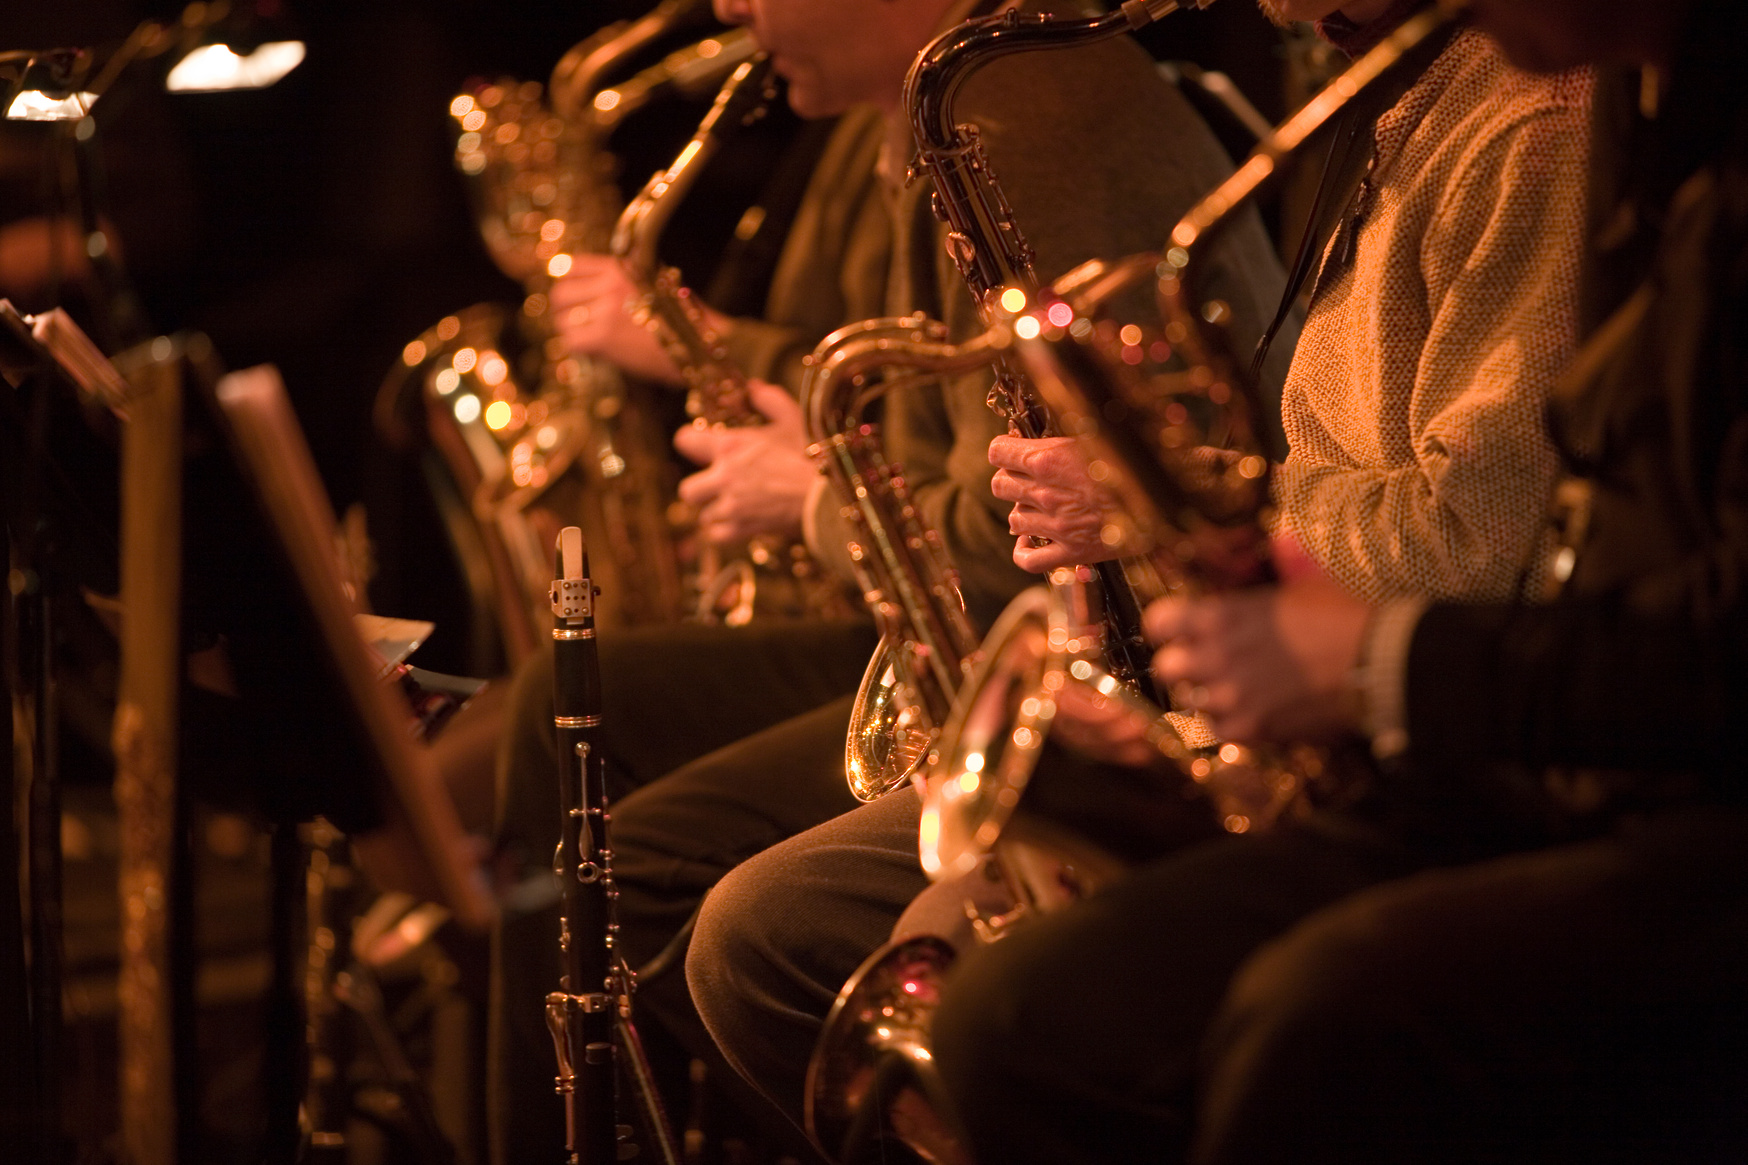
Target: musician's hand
x=756, y=478
x=591, y=311
x=1102, y=729
x=1054, y=499
x=1268, y=663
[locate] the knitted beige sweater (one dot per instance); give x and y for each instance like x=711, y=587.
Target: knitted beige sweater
x=1420, y=465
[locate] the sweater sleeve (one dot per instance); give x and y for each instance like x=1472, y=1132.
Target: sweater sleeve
x=1460, y=518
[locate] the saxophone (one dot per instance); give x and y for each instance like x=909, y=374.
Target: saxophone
x=1182, y=452
x=927, y=644
x=1196, y=523
x=530, y=438
x=927, y=647
x=716, y=387
x=992, y=255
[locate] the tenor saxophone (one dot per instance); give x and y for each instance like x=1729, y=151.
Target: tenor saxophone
x=1148, y=438
x=1182, y=452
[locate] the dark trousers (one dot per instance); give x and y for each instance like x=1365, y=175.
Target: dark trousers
x=719, y=742
x=1075, y=1038
x=1307, y=996
x=1583, y=1003
x=778, y=937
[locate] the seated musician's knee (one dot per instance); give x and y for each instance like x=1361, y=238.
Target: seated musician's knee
x=730, y=951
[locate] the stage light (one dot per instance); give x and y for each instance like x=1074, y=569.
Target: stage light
x=48, y=89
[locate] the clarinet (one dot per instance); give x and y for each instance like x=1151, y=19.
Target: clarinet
x=580, y=1014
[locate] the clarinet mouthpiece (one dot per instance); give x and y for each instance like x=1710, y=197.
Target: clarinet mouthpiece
x=572, y=595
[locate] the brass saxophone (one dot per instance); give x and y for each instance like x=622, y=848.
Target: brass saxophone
x=1182, y=452
x=992, y=255
x=716, y=387
x=531, y=438
x=927, y=646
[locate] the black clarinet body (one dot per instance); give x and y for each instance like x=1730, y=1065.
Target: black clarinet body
x=581, y=1013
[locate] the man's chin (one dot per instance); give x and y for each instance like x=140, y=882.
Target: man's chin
x=810, y=104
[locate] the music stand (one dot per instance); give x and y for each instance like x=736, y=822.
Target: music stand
x=421, y=847
x=420, y=844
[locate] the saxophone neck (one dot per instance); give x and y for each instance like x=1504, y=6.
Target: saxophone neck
x=583, y=70
x=835, y=389
x=689, y=72
x=1381, y=74
x=742, y=100
x=985, y=240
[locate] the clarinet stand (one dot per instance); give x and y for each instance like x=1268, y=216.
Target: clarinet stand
x=590, y=1016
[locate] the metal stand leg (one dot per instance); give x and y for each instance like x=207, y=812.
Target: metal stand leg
x=145, y=755
x=21, y=1113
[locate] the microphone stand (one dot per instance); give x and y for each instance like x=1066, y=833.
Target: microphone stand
x=589, y=1017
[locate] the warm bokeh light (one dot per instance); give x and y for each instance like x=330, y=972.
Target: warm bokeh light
x=498, y=415
x=467, y=409
x=1013, y=300
x=213, y=68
